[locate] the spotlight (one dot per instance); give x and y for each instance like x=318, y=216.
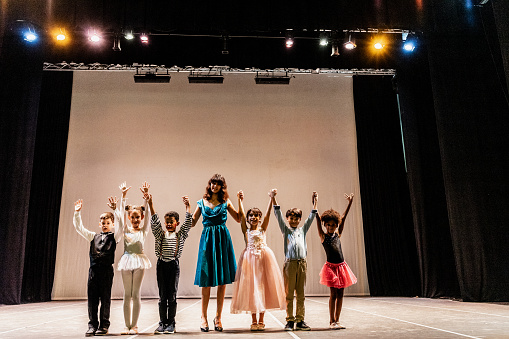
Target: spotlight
x=144, y=39
x=350, y=44
x=116, y=43
x=324, y=38
x=409, y=46
x=61, y=36
x=129, y=35
x=94, y=37
x=29, y=35
x=289, y=39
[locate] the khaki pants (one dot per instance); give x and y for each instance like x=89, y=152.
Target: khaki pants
x=294, y=273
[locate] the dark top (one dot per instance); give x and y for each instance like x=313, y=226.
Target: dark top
x=332, y=247
x=102, y=250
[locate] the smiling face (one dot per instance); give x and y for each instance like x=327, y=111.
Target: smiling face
x=106, y=222
x=253, y=218
x=136, y=217
x=293, y=220
x=331, y=226
x=171, y=223
x=215, y=187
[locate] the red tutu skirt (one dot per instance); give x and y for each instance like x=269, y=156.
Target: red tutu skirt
x=337, y=275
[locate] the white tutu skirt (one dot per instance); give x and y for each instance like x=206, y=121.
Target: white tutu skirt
x=258, y=283
x=133, y=261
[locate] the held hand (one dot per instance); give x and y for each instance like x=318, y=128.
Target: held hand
x=144, y=188
x=349, y=197
x=273, y=192
x=314, y=198
x=112, y=202
x=78, y=204
x=240, y=195
x=185, y=199
x=123, y=187
x=147, y=197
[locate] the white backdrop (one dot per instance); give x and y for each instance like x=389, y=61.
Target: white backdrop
x=297, y=138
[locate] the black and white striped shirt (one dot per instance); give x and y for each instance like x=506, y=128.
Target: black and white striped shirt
x=169, y=246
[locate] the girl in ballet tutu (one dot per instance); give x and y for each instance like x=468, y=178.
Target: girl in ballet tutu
x=335, y=273
x=134, y=261
x=216, y=259
x=258, y=284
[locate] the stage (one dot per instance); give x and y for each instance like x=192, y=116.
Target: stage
x=363, y=317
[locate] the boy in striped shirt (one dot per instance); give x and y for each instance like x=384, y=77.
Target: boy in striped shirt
x=168, y=246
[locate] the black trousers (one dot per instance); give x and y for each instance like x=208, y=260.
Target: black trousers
x=100, y=280
x=168, y=274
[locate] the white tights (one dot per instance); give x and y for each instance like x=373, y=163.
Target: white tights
x=132, y=284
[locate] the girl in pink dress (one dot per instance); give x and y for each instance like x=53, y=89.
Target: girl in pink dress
x=258, y=283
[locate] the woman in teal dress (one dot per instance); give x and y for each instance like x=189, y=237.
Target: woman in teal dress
x=216, y=259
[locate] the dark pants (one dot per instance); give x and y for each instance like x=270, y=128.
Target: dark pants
x=100, y=280
x=167, y=280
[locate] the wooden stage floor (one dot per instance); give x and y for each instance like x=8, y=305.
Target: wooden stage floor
x=364, y=317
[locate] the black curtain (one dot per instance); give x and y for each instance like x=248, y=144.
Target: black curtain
x=46, y=187
x=472, y=120
x=20, y=83
x=391, y=255
x=425, y=177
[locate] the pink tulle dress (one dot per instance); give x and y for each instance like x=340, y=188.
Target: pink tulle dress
x=335, y=272
x=258, y=283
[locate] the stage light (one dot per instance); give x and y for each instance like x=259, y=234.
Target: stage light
x=335, y=49
x=272, y=79
x=288, y=39
x=29, y=35
x=225, y=45
x=350, y=44
x=129, y=35
x=94, y=37
x=150, y=76
x=116, y=43
x=409, y=46
x=324, y=38
x=144, y=38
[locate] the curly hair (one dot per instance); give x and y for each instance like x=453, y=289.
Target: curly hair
x=296, y=212
x=107, y=215
x=172, y=214
x=222, y=195
x=331, y=215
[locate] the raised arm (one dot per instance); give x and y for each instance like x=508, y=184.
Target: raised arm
x=148, y=215
x=321, y=233
x=265, y=223
x=118, y=213
x=342, y=225
x=233, y=212
x=78, y=223
x=124, y=189
x=309, y=220
x=243, y=224
x=148, y=198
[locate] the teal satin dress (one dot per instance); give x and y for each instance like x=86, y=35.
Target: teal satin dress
x=216, y=258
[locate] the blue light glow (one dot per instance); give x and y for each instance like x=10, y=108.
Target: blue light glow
x=409, y=46
x=29, y=36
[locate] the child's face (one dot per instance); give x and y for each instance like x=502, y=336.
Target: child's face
x=215, y=187
x=253, y=219
x=106, y=224
x=331, y=226
x=293, y=221
x=136, y=217
x=171, y=224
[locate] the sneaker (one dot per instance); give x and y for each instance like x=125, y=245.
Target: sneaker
x=159, y=329
x=90, y=332
x=125, y=331
x=169, y=329
x=302, y=326
x=289, y=326
x=133, y=330
x=101, y=331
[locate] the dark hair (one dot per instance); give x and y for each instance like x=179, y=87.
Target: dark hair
x=171, y=214
x=107, y=215
x=255, y=211
x=295, y=212
x=331, y=215
x=130, y=208
x=222, y=195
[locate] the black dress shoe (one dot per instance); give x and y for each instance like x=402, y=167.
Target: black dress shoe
x=91, y=332
x=101, y=331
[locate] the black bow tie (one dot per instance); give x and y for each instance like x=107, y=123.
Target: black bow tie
x=105, y=233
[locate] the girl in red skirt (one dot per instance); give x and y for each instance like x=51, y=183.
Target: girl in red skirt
x=335, y=273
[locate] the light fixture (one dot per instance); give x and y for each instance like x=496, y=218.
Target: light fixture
x=270, y=78
x=335, y=49
x=409, y=46
x=324, y=38
x=150, y=76
x=116, y=43
x=94, y=36
x=225, y=45
x=144, y=38
x=129, y=35
x=29, y=35
x=289, y=39
x=350, y=44
x=61, y=36
x=209, y=77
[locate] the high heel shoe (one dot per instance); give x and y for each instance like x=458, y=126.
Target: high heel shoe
x=204, y=328
x=216, y=325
